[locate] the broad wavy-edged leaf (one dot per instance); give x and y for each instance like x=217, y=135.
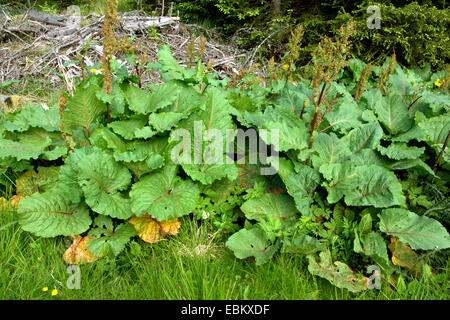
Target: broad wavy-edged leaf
x=301, y=187
x=393, y=113
x=143, y=102
x=407, y=164
x=83, y=109
x=377, y=187
x=366, y=136
x=116, y=99
x=363, y=186
x=78, y=253
x=302, y=244
x=68, y=174
x=420, y=232
x=275, y=212
x=403, y=256
x=31, y=182
x=342, y=178
x=329, y=149
x=169, y=66
x=436, y=100
x=372, y=245
x=127, y=128
x=344, y=117
x=415, y=133
x=145, y=132
x=102, y=179
x=187, y=100
x=151, y=230
x=105, y=139
x=163, y=195
x=22, y=150
x=165, y=120
x=436, y=129
x=292, y=132
x=370, y=98
x=338, y=273
x=25, y=118
x=251, y=243
x=208, y=173
x=50, y=214
x=214, y=120
x=110, y=241
x=401, y=151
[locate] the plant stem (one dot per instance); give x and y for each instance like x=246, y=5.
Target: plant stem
x=440, y=154
x=108, y=118
x=313, y=122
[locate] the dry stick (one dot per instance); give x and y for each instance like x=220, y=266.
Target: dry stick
x=435, y=167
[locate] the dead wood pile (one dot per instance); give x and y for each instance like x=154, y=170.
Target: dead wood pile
x=35, y=44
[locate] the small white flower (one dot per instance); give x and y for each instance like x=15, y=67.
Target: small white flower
x=45, y=107
x=205, y=215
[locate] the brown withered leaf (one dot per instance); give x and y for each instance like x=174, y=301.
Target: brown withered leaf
x=78, y=253
x=151, y=230
x=403, y=256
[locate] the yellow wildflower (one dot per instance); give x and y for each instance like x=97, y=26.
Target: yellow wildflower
x=285, y=67
x=101, y=69
x=439, y=82
x=45, y=289
x=93, y=70
x=54, y=292
x=153, y=12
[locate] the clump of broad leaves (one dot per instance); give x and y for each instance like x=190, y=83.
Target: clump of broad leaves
x=345, y=202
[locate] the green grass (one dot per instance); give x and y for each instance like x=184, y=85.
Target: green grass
x=192, y=265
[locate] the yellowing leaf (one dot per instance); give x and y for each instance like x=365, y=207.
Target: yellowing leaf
x=4, y=204
x=14, y=201
x=78, y=253
x=151, y=230
x=170, y=227
x=27, y=183
x=403, y=256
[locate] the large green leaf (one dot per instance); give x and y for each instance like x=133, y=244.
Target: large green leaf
x=50, y=214
x=420, y=232
x=301, y=187
x=68, y=174
x=329, y=149
x=105, y=139
x=374, y=246
x=209, y=132
x=102, y=179
x=163, y=195
x=127, y=128
x=165, y=120
x=364, y=186
x=109, y=241
x=251, y=243
x=83, y=109
x=23, y=150
x=338, y=273
x=401, y=151
x=376, y=187
x=292, y=132
x=303, y=244
x=143, y=102
x=25, y=118
x=275, y=212
x=365, y=137
x=393, y=112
